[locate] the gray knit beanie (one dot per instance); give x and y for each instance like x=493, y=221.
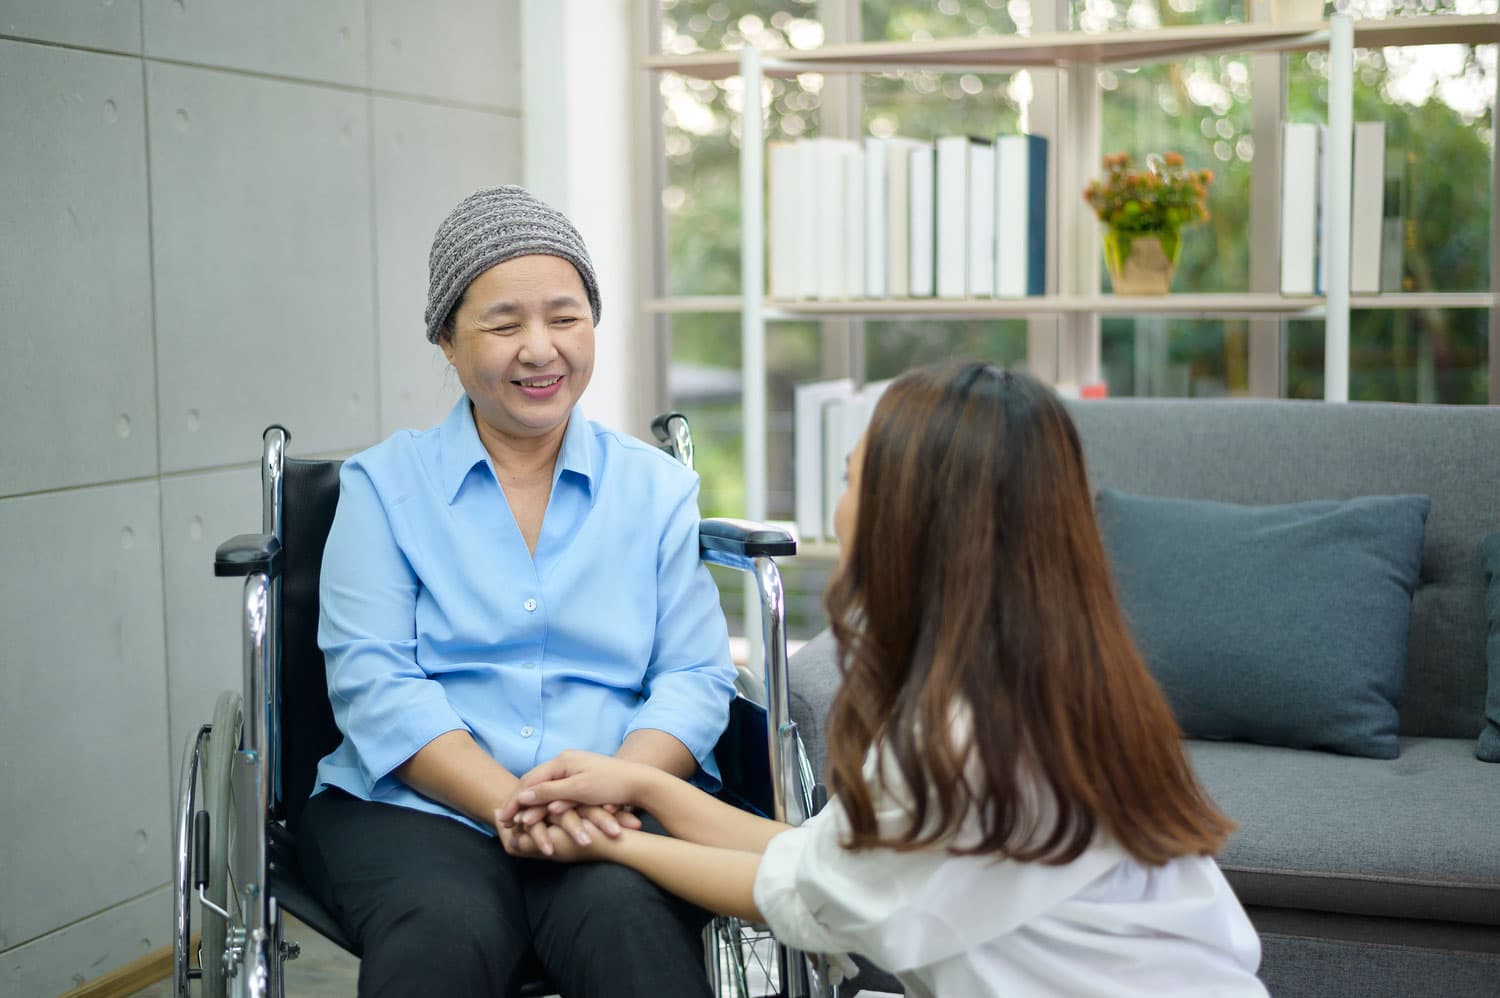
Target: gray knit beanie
x=491, y=226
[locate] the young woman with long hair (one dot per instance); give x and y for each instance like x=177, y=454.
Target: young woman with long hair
x=1012, y=810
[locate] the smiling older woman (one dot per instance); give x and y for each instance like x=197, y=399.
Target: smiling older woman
x=512, y=583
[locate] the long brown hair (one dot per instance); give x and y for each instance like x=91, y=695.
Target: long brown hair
x=976, y=580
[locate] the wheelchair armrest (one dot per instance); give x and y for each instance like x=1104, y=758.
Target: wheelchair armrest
x=248, y=553
x=745, y=538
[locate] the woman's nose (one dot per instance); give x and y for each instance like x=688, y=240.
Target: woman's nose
x=537, y=346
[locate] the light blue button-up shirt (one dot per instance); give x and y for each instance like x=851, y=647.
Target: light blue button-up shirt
x=435, y=617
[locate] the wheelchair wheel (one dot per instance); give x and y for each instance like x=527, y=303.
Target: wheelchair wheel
x=223, y=742
x=750, y=963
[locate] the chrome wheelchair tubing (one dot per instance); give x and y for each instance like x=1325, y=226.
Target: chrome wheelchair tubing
x=778, y=698
x=272, y=483
x=247, y=965
x=778, y=692
x=272, y=473
x=682, y=440
x=182, y=907
x=250, y=942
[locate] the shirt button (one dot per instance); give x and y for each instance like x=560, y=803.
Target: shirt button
x=527, y=731
x=530, y=605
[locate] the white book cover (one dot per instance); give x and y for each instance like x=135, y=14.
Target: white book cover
x=952, y=216
x=921, y=228
x=783, y=239
x=834, y=453
x=1367, y=207
x=877, y=224
x=855, y=243
x=898, y=213
x=1011, y=181
x=832, y=177
x=1324, y=232
x=808, y=401
x=1299, y=208
x=981, y=241
x=809, y=248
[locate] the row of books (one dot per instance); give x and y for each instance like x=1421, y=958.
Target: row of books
x=828, y=418
x=1376, y=211
x=895, y=217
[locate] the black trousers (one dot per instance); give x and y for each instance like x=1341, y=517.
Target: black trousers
x=438, y=908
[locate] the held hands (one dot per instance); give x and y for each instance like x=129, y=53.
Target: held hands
x=573, y=807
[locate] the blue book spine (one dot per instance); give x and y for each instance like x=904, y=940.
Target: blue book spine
x=1036, y=216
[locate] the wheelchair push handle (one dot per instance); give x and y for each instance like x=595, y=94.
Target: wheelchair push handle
x=661, y=426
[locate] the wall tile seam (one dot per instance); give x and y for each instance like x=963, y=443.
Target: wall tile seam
x=160, y=478
x=43, y=936
x=156, y=381
x=411, y=96
x=70, y=46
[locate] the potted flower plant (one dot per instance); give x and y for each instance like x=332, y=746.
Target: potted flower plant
x=1143, y=212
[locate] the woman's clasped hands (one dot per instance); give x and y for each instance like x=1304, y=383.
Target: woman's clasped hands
x=573, y=807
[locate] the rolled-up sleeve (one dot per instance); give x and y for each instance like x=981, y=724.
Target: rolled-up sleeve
x=690, y=679
x=383, y=701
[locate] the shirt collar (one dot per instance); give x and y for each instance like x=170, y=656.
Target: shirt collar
x=462, y=449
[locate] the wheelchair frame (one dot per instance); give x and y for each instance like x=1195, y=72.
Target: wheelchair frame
x=254, y=947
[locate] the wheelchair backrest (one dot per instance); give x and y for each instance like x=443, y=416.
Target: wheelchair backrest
x=310, y=494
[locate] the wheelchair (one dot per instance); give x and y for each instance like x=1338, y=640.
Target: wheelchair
x=247, y=774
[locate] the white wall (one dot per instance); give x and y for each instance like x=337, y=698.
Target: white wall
x=213, y=215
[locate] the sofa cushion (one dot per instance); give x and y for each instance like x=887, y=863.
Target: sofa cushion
x=1283, y=625
x=1489, y=737
x=1265, y=451
x=1413, y=837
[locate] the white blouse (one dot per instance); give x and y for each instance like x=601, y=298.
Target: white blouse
x=970, y=926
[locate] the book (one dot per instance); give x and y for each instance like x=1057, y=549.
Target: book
x=834, y=454
x=831, y=166
x=1367, y=207
x=921, y=229
x=809, y=249
x=844, y=422
x=980, y=248
x=1020, y=216
x=888, y=215
x=784, y=232
x=854, y=221
x=877, y=225
x=1325, y=232
x=1299, y=208
x=957, y=161
x=808, y=401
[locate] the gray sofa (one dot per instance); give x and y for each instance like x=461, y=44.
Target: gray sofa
x=1365, y=877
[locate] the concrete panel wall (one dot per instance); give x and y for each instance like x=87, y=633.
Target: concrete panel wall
x=216, y=215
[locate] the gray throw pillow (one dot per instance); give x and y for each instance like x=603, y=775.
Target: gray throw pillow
x=1489, y=738
x=1283, y=625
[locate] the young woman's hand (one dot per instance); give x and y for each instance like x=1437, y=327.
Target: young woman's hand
x=576, y=778
x=551, y=841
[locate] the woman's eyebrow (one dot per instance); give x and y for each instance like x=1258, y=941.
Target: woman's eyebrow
x=514, y=308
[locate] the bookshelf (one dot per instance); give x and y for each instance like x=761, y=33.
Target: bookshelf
x=1074, y=295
